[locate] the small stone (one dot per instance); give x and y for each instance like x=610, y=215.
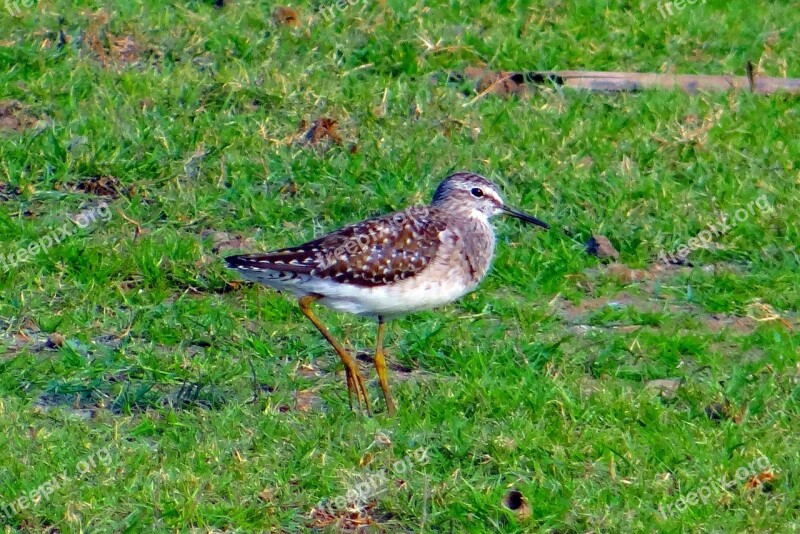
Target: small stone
x=55, y=340
x=601, y=247
x=666, y=387
x=515, y=501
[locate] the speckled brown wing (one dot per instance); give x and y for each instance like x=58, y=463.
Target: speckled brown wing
x=374, y=252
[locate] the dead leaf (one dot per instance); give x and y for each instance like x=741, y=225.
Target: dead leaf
x=286, y=16
x=717, y=411
x=351, y=519
x=289, y=189
x=321, y=518
x=691, y=131
x=107, y=47
x=7, y=192
x=103, y=186
x=123, y=49
x=14, y=117
x=365, y=460
x=322, y=129
x=761, y=312
x=414, y=111
x=763, y=480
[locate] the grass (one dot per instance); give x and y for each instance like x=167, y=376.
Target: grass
x=540, y=381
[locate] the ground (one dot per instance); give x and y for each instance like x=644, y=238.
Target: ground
x=144, y=388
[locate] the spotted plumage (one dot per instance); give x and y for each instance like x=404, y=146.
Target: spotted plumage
x=416, y=259
x=378, y=251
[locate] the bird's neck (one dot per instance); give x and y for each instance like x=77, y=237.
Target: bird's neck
x=479, y=242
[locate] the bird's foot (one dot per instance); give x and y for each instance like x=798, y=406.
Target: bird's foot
x=356, y=386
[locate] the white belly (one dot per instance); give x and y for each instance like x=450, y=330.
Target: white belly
x=395, y=299
x=428, y=290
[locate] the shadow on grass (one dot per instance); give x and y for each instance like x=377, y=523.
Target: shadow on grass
x=131, y=396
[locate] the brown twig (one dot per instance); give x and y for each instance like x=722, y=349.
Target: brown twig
x=138, y=230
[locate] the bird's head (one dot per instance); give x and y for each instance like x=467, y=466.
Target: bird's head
x=473, y=194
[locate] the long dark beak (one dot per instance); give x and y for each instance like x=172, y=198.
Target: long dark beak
x=525, y=217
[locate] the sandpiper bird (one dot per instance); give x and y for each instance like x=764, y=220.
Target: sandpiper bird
x=416, y=259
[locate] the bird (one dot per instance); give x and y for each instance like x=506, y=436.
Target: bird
x=420, y=258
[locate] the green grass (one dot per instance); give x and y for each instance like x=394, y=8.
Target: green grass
x=539, y=381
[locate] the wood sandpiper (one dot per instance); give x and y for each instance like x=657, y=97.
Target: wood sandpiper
x=384, y=267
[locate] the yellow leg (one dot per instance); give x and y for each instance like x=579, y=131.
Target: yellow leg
x=355, y=381
x=380, y=367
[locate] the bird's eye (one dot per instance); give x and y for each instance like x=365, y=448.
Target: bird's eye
x=477, y=192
